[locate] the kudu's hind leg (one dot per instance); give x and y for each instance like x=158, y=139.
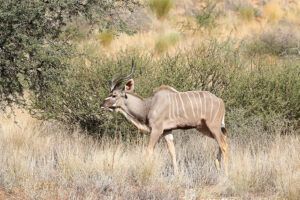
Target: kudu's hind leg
x=218, y=160
x=221, y=140
x=154, y=136
x=170, y=143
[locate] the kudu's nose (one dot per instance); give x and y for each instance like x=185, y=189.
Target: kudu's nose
x=101, y=106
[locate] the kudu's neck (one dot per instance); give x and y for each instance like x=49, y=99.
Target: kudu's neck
x=137, y=107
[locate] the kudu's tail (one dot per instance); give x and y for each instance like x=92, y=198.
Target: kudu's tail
x=224, y=131
x=223, y=127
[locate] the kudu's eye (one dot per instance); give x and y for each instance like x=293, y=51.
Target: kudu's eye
x=113, y=96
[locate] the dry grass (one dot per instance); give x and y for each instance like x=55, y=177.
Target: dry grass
x=273, y=11
x=238, y=23
x=41, y=160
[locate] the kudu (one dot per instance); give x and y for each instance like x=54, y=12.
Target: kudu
x=167, y=110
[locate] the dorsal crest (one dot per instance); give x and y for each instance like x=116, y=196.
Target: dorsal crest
x=165, y=87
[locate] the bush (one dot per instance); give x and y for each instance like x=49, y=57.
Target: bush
x=267, y=91
x=217, y=67
x=276, y=41
x=106, y=37
x=35, y=42
x=161, y=7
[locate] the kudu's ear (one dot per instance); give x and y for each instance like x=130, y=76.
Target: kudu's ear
x=129, y=86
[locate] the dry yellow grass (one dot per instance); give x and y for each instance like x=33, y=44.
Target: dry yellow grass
x=232, y=25
x=273, y=11
x=41, y=160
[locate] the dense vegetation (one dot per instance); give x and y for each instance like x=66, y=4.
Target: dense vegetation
x=34, y=41
x=39, y=54
x=263, y=89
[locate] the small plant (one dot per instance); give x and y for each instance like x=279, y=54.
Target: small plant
x=106, y=38
x=247, y=13
x=164, y=42
x=161, y=7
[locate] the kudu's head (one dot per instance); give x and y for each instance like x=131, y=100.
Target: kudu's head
x=117, y=96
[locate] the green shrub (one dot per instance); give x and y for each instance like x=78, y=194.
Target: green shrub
x=35, y=38
x=74, y=96
x=161, y=7
x=276, y=41
x=267, y=91
x=106, y=37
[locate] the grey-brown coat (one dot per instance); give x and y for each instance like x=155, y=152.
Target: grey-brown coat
x=169, y=109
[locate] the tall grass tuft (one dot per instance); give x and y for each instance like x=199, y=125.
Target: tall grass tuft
x=161, y=7
x=165, y=41
x=106, y=38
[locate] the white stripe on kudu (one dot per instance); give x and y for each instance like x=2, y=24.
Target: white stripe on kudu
x=173, y=106
x=187, y=93
x=201, y=106
x=183, y=106
x=196, y=103
x=211, y=105
x=177, y=110
x=217, y=111
x=204, y=103
x=170, y=104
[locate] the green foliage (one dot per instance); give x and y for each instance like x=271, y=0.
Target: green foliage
x=265, y=92
x=33, y=41
x=76, y=96
x=161, y=7
x=268, y=91
x=28, y=44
